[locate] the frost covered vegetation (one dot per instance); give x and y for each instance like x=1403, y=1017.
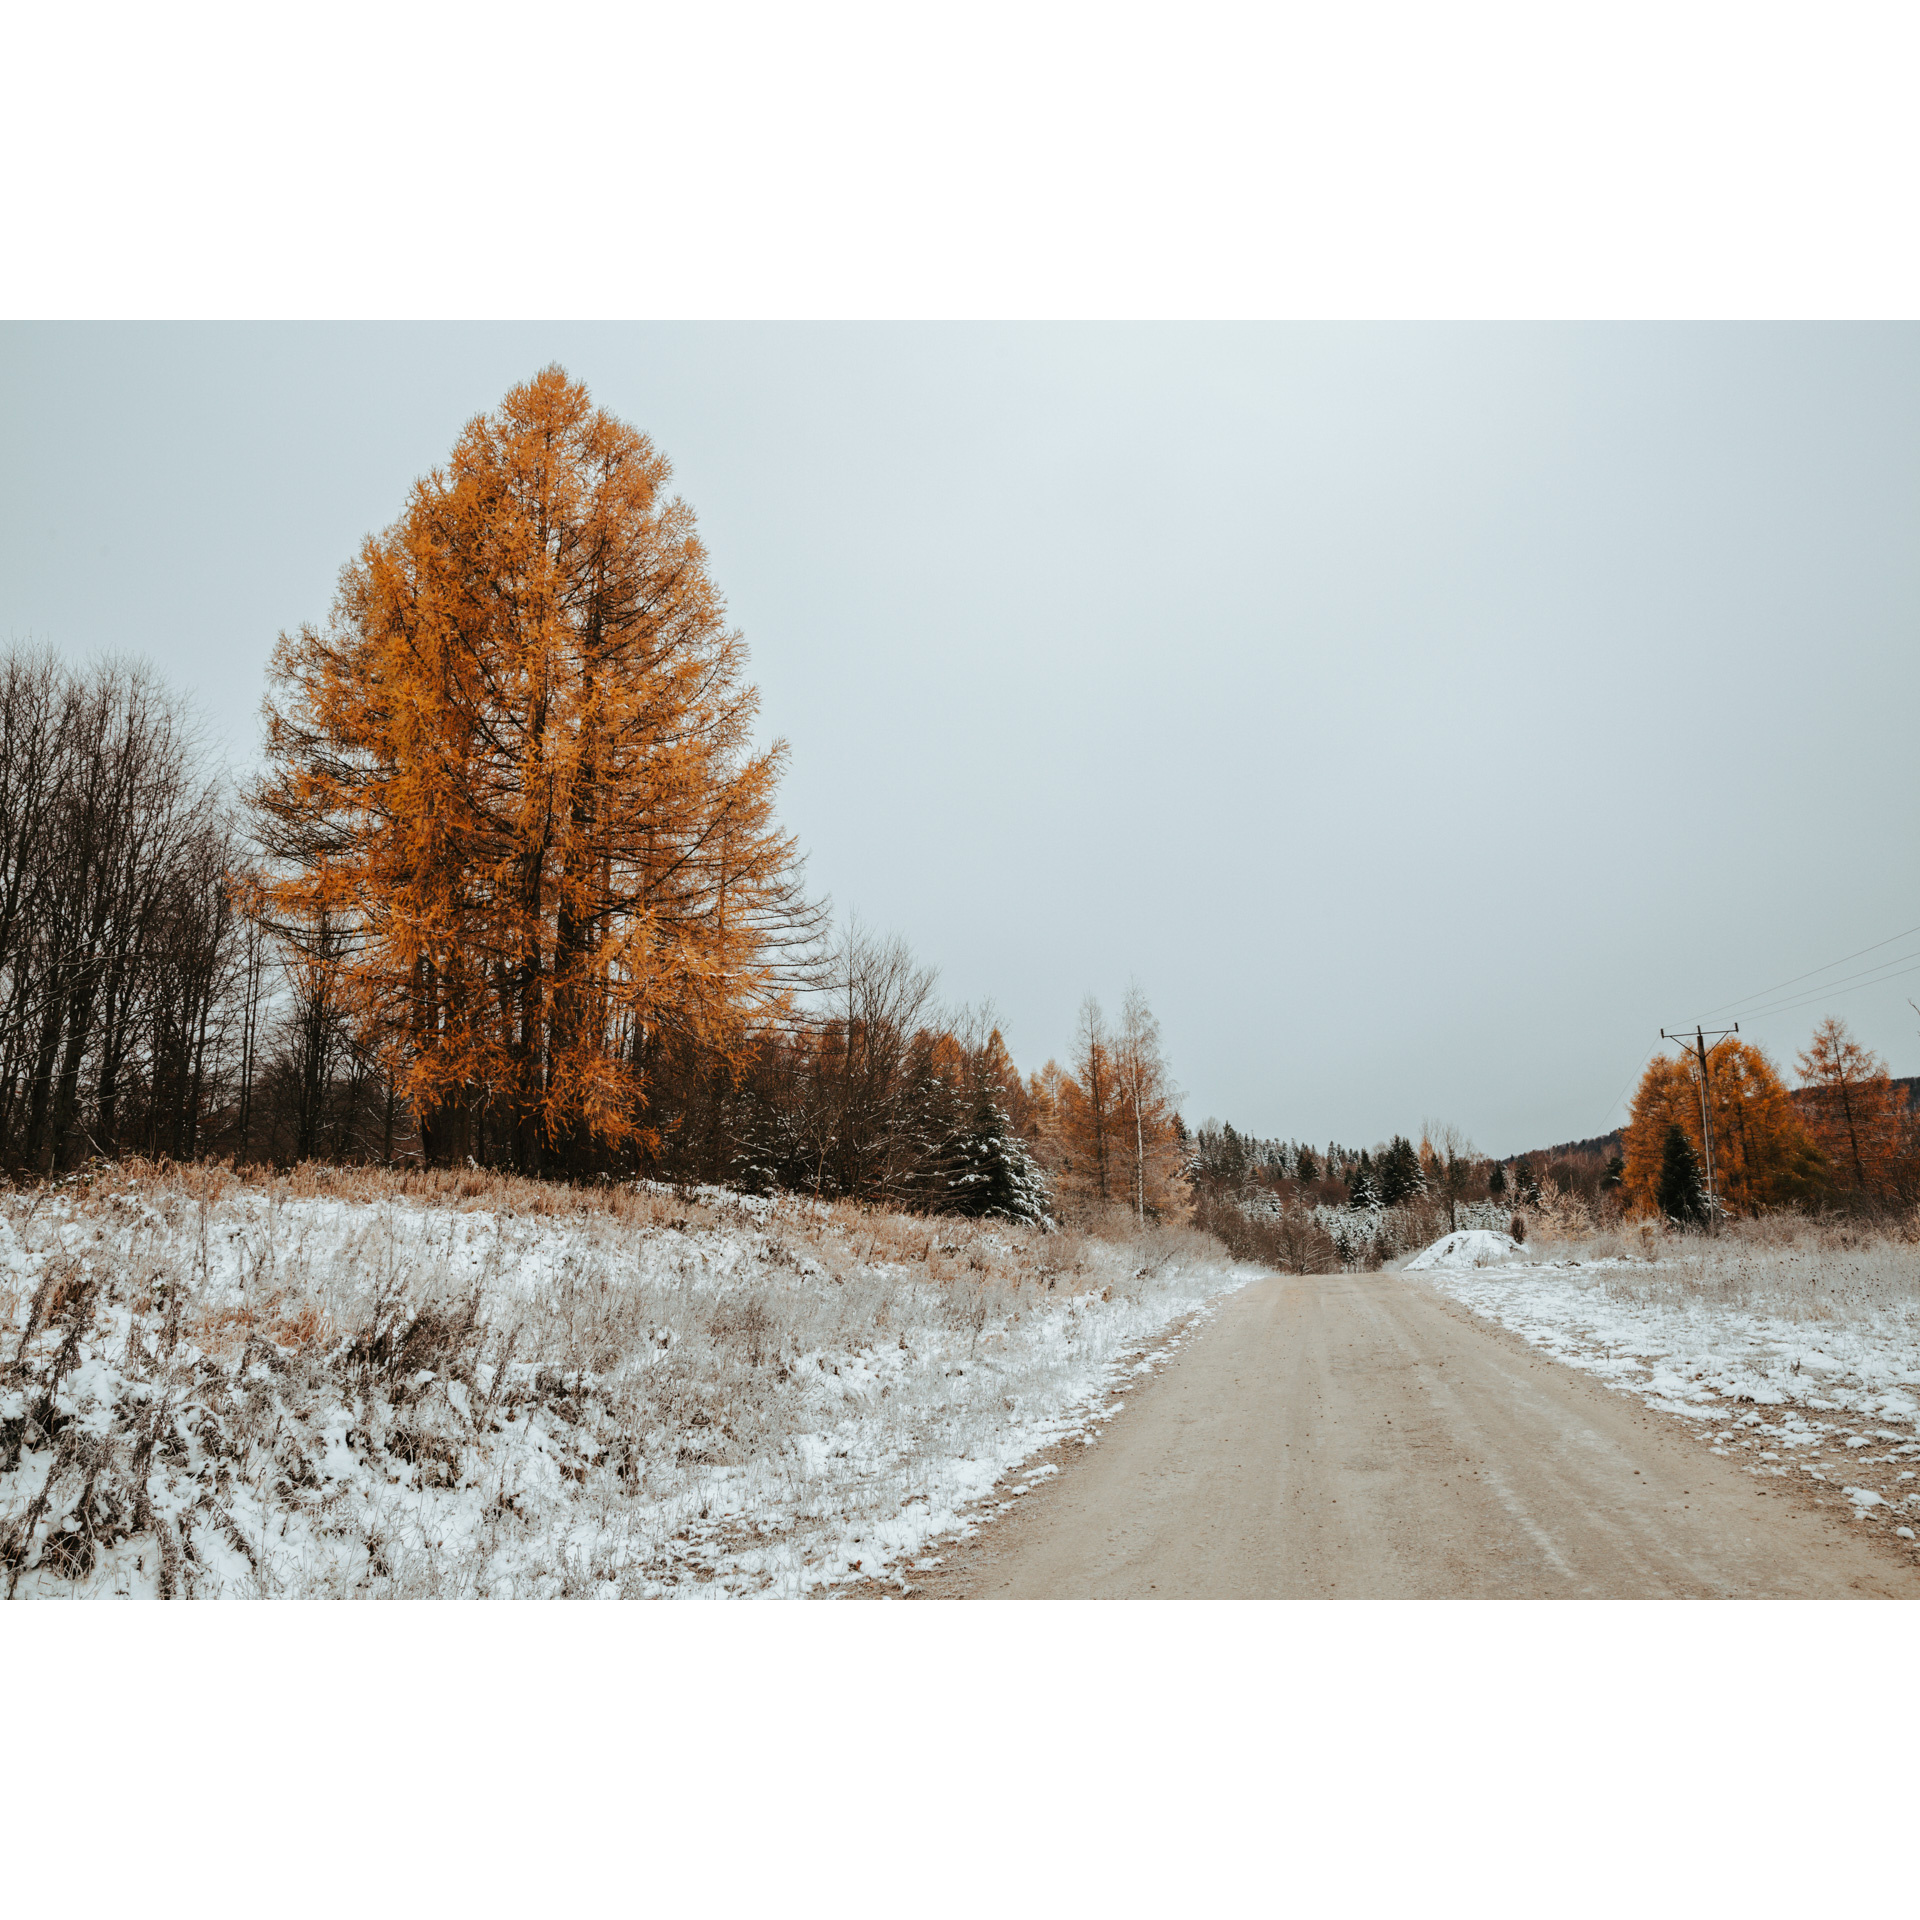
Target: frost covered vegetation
x=1305, y=1210
x=344, y=1382
x=510, y=895
x=1793, y=1345
x=1328, y=1238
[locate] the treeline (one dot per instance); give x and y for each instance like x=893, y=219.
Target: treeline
x=1444, y=1166
x=121, y=952
x=508, y=890
x=879, y=1098
x=1603, y=1146
x=145, y=1003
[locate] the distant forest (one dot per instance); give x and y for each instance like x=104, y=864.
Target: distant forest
x=1441, y=1164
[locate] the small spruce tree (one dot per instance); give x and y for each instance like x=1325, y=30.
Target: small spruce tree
x=1496, y=1181
x=1679, y=1193
x=1363, y=1190
x=1401, y=1176
x=988, y=1172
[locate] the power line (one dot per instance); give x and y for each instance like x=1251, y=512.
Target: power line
x=1873, y=976
x=1703, y=1051
x=1879, y=978
x=1618, y=1097
x=1727, y=1005
x=1846, y=980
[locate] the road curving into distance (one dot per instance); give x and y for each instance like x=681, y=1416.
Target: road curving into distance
x=1355, y=1436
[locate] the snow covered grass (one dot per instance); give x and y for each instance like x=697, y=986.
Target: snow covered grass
x=1794, y=1347
x=354, y=1383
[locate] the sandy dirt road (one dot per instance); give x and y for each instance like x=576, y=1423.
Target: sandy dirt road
x=1356, y=1436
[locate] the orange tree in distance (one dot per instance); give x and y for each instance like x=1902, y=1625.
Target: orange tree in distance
x=1106, y=1129
x=1857, y=1116
x=517, y=764
x=1762, y=1157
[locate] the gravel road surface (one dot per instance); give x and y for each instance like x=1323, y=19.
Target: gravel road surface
x=1356, y=1436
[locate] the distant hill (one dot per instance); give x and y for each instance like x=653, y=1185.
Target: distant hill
x=1603, y=1146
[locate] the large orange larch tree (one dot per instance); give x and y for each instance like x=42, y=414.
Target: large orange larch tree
x=518, y=763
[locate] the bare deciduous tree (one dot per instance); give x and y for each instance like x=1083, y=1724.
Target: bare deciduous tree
x=116, y=920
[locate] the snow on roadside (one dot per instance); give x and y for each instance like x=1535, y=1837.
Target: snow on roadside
x=1740, y=1344
x=355, y=1398
x=1472, y=1247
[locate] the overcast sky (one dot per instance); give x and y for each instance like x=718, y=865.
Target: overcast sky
x=1425, y=715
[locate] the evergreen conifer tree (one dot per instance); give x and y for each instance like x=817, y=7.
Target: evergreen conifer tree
x=1233, y=1156
x=993, y=1174
x=1304, y=1166
x=1363, y=1190
x=1496, y=1180
x=1679, y=1192
x=1401, y=1177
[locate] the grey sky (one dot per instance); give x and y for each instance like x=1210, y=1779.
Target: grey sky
x=1425, y=715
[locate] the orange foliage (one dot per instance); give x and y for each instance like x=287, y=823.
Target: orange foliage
x=1105, y=1130
x=1761, y=1156
x=517, y=766
x=1668, y=1095
x=1856, y=1115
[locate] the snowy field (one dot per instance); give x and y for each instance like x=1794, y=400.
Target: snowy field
x=469, y=1386
x=1795, y=1350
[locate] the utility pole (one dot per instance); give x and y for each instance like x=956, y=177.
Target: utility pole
x=1700, y=1049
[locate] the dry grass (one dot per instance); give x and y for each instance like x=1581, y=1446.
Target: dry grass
x=1789, y=1265
x=476, y=1189
x=1840, y=1279
x=298, y=1326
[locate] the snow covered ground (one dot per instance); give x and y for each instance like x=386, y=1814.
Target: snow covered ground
x=209, y=1388
x=1797, y=1358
